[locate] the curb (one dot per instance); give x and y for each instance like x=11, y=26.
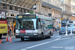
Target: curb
x=56, y=32
x=13, y=37
x=67, y=36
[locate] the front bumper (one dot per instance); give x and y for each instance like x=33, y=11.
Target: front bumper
x=28, y=35
x=62, y=32
x=72, y=32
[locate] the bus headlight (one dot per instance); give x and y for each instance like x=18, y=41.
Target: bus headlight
x=35, y=33
x=17, y=31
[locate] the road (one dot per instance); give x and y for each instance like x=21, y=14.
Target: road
x=53, y=43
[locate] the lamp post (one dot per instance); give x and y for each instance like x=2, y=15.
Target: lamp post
x=71, y=32
x=66, y=31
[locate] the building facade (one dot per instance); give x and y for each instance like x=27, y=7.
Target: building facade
x=14, y=7
x=49, y=7
x=66, y=9
x=73, y=7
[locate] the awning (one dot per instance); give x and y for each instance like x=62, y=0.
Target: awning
x=21, y=3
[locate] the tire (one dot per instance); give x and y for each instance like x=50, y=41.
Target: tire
x=22, y=39
x=60, y=34
x=0, y=36
x=41, y=37
x=49, y=36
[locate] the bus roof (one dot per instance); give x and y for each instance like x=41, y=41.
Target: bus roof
x=25, y=14
x=36, y=16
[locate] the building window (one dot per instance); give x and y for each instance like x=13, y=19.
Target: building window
x=74, y=0
x=21, y=10
x=62, y=1
x=28, y=11
x=3, y=0
x=24, y=11
x=11, y=8
x=16, y=8
x=4, y=6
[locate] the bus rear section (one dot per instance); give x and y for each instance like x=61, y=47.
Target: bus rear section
x=3, y=27
x=32, y=27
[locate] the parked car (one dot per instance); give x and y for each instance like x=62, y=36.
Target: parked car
x=62, y=31
x=73, y=30
x=71, y=26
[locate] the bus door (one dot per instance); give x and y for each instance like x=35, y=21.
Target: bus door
x=43, y=23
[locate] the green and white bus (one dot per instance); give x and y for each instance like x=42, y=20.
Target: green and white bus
x=31, y=26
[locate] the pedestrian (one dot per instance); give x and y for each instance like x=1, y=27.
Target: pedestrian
x=55, y=28
x=10, y=32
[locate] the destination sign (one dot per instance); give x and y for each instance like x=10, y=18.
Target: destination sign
x=20, y=16
x=27, y=16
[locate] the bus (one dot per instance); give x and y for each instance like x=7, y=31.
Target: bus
x=3, y=23
x=31, y=26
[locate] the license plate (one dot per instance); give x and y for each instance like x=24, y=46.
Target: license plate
x=26, y=36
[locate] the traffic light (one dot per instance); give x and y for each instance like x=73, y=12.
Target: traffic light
x=61, y=18
x=14, y=23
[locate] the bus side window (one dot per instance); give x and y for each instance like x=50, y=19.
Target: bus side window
x=42, y=24
x=39, y=24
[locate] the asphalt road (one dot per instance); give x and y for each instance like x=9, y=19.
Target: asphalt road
x=53, y=43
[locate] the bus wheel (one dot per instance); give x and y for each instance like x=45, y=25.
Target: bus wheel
x=49, y=36
x=41, y=36
x=22, y=39
x=51, y=33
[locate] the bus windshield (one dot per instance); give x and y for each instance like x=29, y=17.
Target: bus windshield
x=28, y=24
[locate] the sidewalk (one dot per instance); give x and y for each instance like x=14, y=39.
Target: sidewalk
x=13, y=37
x=62, y=36
x=67, y=36
x=56, y=32
x=4, y=38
